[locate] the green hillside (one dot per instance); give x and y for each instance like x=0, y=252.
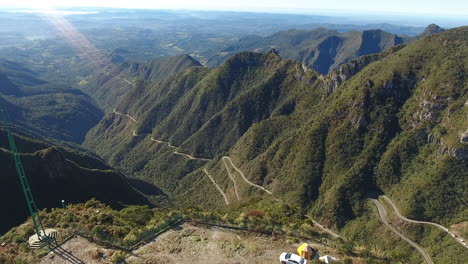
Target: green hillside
x=49, y=111
x=108, y=88
x=394, y=125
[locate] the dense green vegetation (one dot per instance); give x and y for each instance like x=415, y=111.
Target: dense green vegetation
x=50, y=111
x=108, y=89
x=388, y=123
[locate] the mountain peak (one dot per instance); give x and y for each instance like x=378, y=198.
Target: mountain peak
x=431, y=29
x=273, y=51
x=161, y=67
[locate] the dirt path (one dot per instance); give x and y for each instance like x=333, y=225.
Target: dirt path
x=383, y=218
x=217, y=186
x=445, y=229
x=243, y=176
x=232, y=179
x=127, y=81
x=329, y=231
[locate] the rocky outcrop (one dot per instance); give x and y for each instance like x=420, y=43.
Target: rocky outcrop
x=430, y=30
x=348, y=70
x=443, y=149
x=464, y=137
x=430, y=108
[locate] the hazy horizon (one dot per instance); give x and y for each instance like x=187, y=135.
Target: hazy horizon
x=366, y=11
x=416, y=7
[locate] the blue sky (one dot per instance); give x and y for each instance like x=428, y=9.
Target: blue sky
x=436, y=7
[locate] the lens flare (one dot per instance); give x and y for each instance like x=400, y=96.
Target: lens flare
x=83, y=48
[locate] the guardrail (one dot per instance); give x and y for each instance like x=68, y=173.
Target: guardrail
x=178, y=222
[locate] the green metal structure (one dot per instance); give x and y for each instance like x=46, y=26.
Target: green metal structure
x=38, y=227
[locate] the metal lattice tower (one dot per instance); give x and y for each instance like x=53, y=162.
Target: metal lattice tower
x=38, y=227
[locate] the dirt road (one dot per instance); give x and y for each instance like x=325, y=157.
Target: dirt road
x=217, y=186
x=232, y=179
x=176, y=152
x=118, y=113
x=329, y=231
x=243, y=176
x=445, y=229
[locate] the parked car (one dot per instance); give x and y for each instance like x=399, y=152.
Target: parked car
x=289, y=258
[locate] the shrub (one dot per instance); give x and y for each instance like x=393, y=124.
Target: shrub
x=119, y=257
x=136, y=215
x=93, y=203
x=18, y=239
x=254, y=213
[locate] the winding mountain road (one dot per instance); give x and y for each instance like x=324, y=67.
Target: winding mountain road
x=224, y=159
x=402, y=217
x=129, y=116
x=176, y=152
x=232, y=179
x=190, y=156
x=217, y=186
x=243, y=176
x=383, y=218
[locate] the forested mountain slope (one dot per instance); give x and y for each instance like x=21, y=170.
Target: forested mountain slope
x=393, y=122
x=48, y=110
x=107, y=88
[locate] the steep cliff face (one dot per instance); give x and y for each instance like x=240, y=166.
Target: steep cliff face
x=56, y=174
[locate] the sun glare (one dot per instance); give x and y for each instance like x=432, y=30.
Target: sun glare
x=83, y=48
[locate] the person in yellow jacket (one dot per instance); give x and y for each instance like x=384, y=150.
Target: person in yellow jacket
x=306, y=251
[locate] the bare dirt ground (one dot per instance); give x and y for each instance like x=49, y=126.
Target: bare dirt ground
x=197, y=244
x=78, y=250
x=189, y=244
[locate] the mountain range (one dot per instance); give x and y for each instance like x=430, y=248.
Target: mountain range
x=315, y=119
x=321, y=49
x=392, y=122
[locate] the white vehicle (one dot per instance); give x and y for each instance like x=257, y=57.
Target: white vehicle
x=289, y=258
